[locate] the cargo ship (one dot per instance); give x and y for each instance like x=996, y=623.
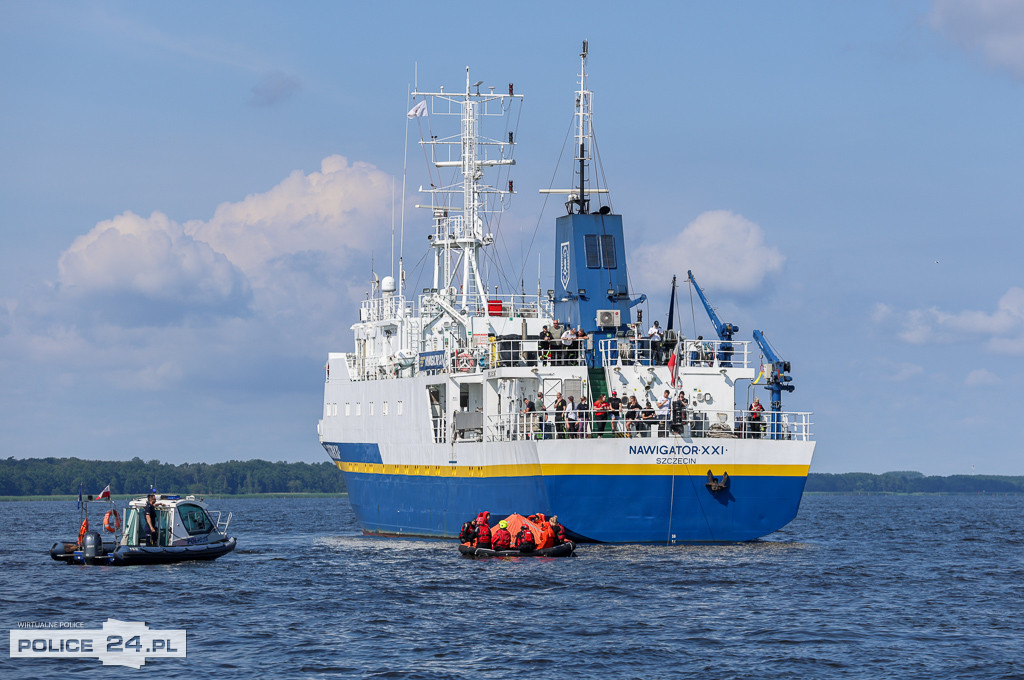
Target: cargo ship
x=463, y=397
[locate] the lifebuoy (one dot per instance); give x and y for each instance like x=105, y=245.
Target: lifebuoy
x=465, y=362
x=106, y=521
x=81, y=532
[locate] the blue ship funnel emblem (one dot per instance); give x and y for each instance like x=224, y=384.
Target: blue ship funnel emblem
x=565, y=265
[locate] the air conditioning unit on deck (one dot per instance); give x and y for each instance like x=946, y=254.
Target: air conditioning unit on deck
x=609, y=318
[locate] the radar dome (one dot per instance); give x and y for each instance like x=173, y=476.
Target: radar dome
x=387, y=284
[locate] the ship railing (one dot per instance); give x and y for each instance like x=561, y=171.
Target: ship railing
x=382, y=308
x=508, y=306
x=695, y=353
x=513, y=351
x=222, y=526
x=371, y=368
x=598, y=424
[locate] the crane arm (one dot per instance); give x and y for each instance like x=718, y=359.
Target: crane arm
x=724, y=330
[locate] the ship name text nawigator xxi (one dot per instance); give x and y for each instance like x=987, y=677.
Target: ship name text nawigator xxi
x=465, y=398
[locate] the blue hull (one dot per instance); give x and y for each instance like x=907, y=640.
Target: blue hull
x=604, y=508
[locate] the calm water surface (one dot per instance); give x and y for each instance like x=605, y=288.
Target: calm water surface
x=855, y=587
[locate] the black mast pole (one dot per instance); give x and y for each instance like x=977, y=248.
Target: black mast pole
x=671, y=304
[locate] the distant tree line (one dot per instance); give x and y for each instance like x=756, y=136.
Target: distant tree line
x=62, y=476
x=911, y=482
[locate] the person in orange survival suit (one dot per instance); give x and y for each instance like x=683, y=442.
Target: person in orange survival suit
x=501, y=539
x=483, y=530
x=547, y=534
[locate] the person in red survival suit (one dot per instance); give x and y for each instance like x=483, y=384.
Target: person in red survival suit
x=501, y=539
x=483, y=530
x=558, y=529
x=524, y=540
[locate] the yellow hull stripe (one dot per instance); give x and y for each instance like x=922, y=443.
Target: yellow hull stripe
x=557, y=469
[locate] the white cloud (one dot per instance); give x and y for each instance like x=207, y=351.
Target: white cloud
x=152, y=258
x=343, y=209
x=980, y=377
x=726, y=252
x=1003, y=328
x=995, y=28
x=148, y=303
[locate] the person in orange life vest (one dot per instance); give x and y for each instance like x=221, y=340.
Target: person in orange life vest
x=558, y=529
x=524, y=540
x=501, y=539
x=483, y=530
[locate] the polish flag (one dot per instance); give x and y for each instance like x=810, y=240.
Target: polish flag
x=104, y=494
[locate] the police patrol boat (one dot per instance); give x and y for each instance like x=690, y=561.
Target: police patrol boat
x=187, y=530
x=429, y=416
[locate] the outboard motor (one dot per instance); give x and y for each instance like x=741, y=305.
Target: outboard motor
x=92, y=546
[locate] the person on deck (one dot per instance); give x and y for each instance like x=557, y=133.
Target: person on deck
x=560, y=406
x=756, y=418
x=614, y=410
x=529, y=418
x=600, y=415
x=679, y=414
x=583, y=418
x=544, y=347
x=571, y=421
x=568, y=340
x=149, y=527
x=501, y=539
x=632, y=416
x=648, y=420
x=664, y=405
x=524, y=539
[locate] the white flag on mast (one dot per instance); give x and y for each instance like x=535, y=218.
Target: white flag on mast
x=419, y=110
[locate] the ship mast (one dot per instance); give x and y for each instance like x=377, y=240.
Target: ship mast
x=578, y=197
x=459, y=231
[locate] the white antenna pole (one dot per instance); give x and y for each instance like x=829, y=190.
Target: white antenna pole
x=392, y=227
x=405, y=168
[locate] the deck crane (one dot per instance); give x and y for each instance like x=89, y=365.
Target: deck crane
x=725, y=331
x=778, y=380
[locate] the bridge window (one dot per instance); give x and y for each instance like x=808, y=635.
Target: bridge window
x=600, y=251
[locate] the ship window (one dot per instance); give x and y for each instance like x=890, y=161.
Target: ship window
x=359, y=408
x=371, y=408
x=194, y=519
x=334, y=409
x=399, y=408
x=608, y=252
x=600, y=251
x=348, y=409
x=384, y=408
x=592, y=246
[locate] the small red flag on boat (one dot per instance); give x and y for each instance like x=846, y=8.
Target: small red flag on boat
x=104, y=494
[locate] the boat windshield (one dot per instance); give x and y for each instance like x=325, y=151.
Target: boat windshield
x=131, y=527
x=194, y=519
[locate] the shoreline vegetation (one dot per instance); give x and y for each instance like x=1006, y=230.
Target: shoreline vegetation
x=59, y=479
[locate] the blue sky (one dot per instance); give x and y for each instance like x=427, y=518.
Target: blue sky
x=190, y=196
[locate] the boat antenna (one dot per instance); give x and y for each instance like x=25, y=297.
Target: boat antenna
x=405, y=168
x=583, y=116
x=671, y=304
